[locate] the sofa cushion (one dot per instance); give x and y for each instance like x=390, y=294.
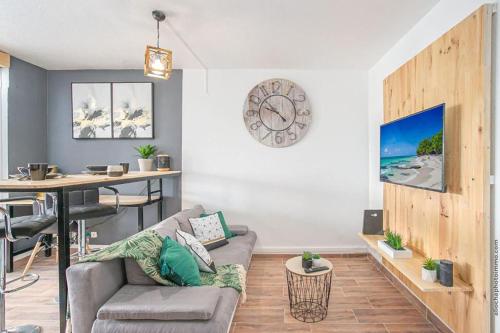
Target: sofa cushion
x=198, y=251
x=161, y=303
x=178, y=265
x=238, y=250
x=209, y=231
x=222, y=219
x=238, y=230
x=135, y=275
x=219, y=323
x=166, y=228
x=182, y=217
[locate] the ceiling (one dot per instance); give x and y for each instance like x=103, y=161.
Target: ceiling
x=281, y=34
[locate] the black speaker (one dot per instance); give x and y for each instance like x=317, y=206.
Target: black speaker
x=446, y=273
x=373, y=222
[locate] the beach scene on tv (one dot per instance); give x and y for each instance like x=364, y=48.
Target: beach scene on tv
x=411, y=150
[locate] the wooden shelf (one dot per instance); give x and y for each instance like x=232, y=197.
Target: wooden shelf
x=411, y=269
x=126, y=200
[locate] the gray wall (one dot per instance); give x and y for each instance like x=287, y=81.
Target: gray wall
x=27, y=114
x=27, y=119
x=73, y=155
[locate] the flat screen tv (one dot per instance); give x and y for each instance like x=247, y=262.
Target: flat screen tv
x=412, y=150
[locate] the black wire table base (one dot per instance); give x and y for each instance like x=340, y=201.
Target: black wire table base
x=309, y=296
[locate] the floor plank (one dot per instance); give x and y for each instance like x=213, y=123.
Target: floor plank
x=361, y=301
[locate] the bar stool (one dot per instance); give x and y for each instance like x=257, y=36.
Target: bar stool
x=12, y=230
x=83, y=205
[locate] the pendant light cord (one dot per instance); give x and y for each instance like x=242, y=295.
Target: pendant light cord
x=183, y=41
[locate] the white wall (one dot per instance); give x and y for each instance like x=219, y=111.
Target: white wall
x=440, y=19
x=307, y=196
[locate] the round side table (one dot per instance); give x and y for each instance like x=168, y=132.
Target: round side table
x=308, y=293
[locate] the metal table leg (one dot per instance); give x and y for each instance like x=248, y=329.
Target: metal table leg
x=140, y=218
x=160, y=210
x=10, y=247
x=48, y=243
x=64, y=259
x=160, y=203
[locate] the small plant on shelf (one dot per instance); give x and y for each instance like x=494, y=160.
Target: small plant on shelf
x=429, y=270
x=146, y=151
x=316, y=259
x=145, y=154
x=392, y=245
x=430, y=264
x=307, y=259
x=394, y=240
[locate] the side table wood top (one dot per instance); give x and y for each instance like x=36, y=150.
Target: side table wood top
x=294, y=265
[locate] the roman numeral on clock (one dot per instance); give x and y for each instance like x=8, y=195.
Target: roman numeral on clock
x=263, y=90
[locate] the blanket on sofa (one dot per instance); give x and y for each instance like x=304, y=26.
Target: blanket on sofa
x=145, y=247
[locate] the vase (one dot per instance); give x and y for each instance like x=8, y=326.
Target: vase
x=307, y=263
x=317, y=262
x=395, y=254
x=145, y=164
x=428, y=275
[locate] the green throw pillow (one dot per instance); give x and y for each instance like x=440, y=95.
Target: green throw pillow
x=227, y=232
x=178, y=265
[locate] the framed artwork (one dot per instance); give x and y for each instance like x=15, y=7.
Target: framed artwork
x=133, y=110
x=91, y=110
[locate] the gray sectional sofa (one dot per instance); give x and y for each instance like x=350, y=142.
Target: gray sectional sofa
x=116, y=296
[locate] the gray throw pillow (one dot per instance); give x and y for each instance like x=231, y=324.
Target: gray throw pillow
x=182, y=217
x=135, y=274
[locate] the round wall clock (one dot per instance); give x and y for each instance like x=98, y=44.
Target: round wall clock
x=277, y=113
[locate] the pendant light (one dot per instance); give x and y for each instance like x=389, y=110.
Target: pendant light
x=158, y=61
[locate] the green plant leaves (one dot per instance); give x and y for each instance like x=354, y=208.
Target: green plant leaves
x=394, y=240
x=430, y=264
x=146, y=151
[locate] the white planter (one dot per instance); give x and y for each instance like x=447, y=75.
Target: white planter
x=317, y=262
x=145, y=164
x=429, y=276
x=396, y=254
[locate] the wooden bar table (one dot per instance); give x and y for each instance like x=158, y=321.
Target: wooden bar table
x=62, y=187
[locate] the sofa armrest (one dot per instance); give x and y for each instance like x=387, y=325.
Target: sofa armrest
x=90, y=285
x=238, y=230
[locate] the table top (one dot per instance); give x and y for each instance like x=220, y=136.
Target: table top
x=294, y=265
x=82, y=180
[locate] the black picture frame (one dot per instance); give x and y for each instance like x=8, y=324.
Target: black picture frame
x=73, y=113
x=112, y=137
x=152, y=111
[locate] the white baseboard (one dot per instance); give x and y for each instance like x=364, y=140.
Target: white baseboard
x=298, y=250
x=293, y=250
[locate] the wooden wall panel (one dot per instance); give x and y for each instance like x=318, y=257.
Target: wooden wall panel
x=455, y=70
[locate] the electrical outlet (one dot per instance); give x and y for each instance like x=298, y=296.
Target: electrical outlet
x=93, y=234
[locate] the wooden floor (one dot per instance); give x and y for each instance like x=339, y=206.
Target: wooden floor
x=362, y=301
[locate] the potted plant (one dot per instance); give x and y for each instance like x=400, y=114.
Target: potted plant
x=146, y=152
x=316, y=260
x=307, y=259
x=429, y=270
x=393, y=246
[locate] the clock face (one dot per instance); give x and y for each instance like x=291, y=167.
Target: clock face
x=277, y=113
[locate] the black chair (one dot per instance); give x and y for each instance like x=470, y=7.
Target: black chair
x=83, y=205
x=11, y=230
